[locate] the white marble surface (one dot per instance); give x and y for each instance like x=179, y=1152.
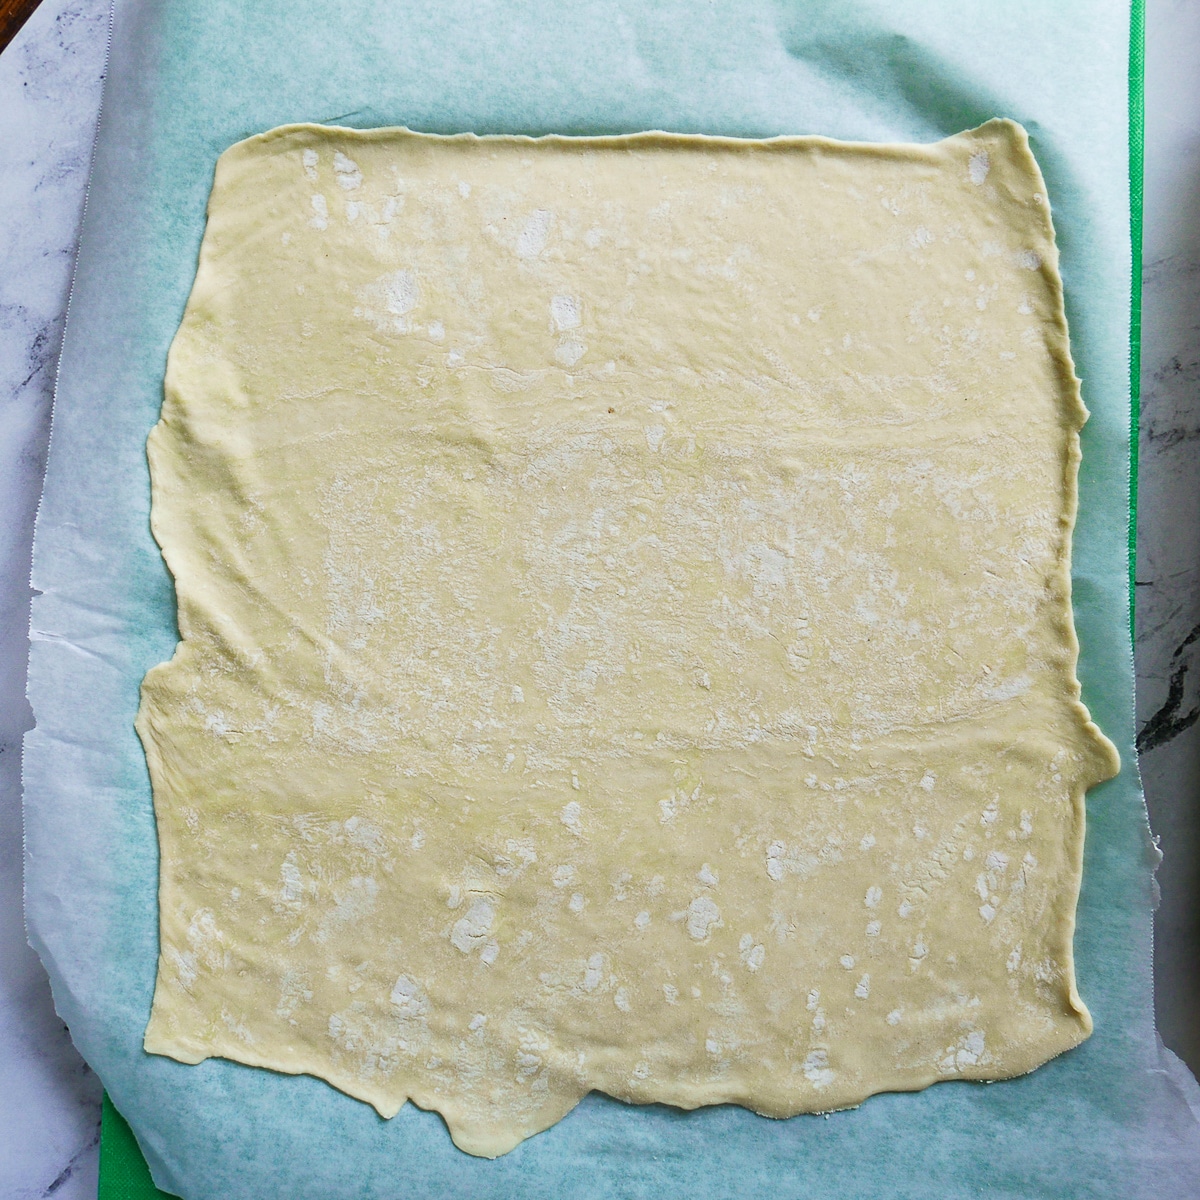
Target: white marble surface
x=49, y=95
x=1168, y=593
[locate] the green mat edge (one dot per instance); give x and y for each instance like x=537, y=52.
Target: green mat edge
x=1137, y=123
x=124, y=1174
x=123, y=1171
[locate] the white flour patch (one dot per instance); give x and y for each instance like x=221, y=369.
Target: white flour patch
x=566, y=313
x=572, y=817
x=346, y=170
x=570, y=352
x=978, y=167
x=352, y=903
x=400, y=292
x=293, y=993
x=1009, y=689
x=387, y=302
x=594, y=972
x=967, y=1054
x=471, y=931
x=817, y=1069
x=781, y=861
x=532, y=240
x=293, y=887
x=752, y=954
x=703, y=916
x=408, y=999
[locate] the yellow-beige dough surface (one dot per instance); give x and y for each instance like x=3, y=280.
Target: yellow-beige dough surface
x=626, y=642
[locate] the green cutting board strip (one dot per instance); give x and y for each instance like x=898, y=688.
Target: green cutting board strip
x=1137, y=129
x=123, y=1171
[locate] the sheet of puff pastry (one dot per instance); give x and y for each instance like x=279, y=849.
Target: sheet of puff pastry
x=626, y=639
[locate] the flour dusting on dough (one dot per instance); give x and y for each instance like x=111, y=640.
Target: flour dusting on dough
x=625, y=613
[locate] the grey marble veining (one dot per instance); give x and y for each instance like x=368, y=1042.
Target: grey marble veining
x=1168, y=593
x=49, y=96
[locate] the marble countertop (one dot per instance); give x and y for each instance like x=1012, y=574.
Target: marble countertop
x=1167, y=633
x=50, y=85
x=50, y=82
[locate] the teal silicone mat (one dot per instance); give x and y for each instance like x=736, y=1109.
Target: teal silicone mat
x=186, y=80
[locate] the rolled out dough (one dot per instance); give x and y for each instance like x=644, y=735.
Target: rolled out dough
x=625, y=620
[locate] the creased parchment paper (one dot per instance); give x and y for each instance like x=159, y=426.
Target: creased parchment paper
x=1111, y=1118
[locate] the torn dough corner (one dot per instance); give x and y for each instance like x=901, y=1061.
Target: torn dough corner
x=626, y=639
